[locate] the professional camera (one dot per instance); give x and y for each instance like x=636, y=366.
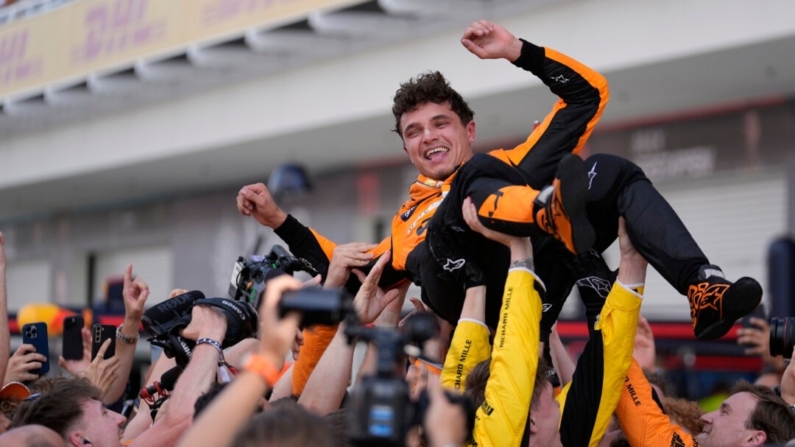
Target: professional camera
x=380, y=411
x=165, y=320
x=782, y=336
x=250, y=275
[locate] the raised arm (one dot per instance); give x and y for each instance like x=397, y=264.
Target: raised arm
x=236, y=404
x=5, y=335
x=590, y=400
x=326, y=386
x=206, y=323
x=501, y=418
x=135, y=294
x=470, y=344
x=583, y=94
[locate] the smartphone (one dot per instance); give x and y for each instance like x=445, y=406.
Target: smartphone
x=73, y=338
x=100, y=333
x=36, y=334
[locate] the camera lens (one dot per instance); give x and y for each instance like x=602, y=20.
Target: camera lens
x=782, y=336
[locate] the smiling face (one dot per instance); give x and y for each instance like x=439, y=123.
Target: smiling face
x=436, y=140
x=726, y=427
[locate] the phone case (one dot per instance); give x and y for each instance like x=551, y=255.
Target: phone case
x=73, y=338
x=36, y=334
x=100, y=333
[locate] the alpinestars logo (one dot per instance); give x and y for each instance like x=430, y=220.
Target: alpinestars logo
x=456, y=264
x=559, y=78
x=601, y=286
x=546, y=307
x=591, y=175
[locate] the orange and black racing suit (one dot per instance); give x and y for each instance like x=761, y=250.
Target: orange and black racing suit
x=583, y=95
x=641, y=417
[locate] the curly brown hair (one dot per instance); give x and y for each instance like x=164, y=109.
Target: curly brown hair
x=430, y=87
x=685, y=413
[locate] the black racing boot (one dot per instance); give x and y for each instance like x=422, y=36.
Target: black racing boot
x=716, y=303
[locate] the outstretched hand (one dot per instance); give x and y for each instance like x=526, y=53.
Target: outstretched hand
x=255, y=200
x=135, y=293
x=487, y=40
x=344, y=258
x=369, y=302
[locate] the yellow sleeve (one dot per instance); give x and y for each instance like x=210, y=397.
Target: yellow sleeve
x=588, y=403
x=470, y=346
x=501, y=419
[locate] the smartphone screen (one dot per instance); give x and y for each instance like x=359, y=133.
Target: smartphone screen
x=73, y=338
x=100, y=333
x=36, y=334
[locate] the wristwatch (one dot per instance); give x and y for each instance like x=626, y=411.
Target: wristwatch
x=124, y=338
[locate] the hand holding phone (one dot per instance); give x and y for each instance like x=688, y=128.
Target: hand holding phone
x=38, y=350
x=100, y=333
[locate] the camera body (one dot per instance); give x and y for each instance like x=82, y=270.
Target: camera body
x=782, y=336
x=165, y=321
x=318, y=306
x=380, y=410
x=250, y=275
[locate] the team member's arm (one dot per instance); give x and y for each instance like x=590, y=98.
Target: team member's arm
x=470, y=344
x=501, y=418
x=642, y=421
x=561, y=361
x=588, y=403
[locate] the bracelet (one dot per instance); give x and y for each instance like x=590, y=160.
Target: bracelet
x=261, y=366
x=213, y=343
x=124, y=338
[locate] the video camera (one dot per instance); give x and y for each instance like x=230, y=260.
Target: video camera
x=165, y=320
x=250, y=275
x=782, y=336
x=380, y=411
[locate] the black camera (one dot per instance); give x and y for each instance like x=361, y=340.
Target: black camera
x=165, y=320
x=782, y=336
x=250, y=275
x=380, y=411
x=318, y=306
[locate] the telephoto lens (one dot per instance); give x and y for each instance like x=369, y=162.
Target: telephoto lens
x=782, y=336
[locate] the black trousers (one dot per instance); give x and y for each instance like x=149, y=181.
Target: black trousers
x=617, y=187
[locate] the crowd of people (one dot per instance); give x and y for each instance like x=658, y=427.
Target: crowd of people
x=496, y=241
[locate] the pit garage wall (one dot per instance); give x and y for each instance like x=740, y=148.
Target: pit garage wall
x=725, y=171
